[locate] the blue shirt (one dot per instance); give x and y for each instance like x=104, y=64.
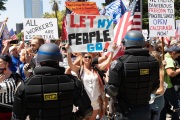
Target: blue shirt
x=15, y=64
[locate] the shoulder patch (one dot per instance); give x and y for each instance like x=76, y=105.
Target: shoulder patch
x=113, y=64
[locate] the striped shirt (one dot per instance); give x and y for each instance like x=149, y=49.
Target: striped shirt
x=7, y=89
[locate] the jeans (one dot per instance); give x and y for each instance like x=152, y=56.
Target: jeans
x=157, y=106
x=170, y=97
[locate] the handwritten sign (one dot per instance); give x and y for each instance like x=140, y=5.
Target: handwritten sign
x=89, y=33
x=83, y=7
x=161, y=18
x=44, y=27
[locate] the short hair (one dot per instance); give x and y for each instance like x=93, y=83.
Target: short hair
x=40, y=40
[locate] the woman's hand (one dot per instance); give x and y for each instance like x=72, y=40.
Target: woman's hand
x=114, y=46
x=67, y=46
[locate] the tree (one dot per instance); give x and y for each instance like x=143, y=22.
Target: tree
x=55, y=8
x=2, y=3
x=60, y=15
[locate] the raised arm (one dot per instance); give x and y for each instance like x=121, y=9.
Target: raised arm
x=105, y=63
x=73, y=67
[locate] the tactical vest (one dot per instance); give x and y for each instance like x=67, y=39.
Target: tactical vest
x=49, y=96
x=140, y=72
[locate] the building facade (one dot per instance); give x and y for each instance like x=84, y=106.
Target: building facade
x=33, y=8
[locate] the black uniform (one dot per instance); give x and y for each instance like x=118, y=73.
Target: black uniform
x=50, y=95
x=132, y=79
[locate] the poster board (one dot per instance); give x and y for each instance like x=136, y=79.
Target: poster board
x=83, y=7
x=44, y=27
x=89, y=33
x=161, y=18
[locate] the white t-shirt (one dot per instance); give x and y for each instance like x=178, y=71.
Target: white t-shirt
x=91, y=85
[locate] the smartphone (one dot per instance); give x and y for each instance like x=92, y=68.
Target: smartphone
x=14, y=42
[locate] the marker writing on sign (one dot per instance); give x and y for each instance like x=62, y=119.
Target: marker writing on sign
x=82, y=21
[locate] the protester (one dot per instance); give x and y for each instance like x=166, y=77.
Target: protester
x=7, y=87
x=92, y=82
x=36, y=42
x=15, y=58
x=157, y=98
x=171, y=71
x=25, y=57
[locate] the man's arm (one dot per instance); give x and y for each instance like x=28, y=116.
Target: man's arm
x=114, y=78
x=19, y=112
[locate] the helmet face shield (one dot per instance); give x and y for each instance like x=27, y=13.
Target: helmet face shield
x=134, y=38
x=49, y=52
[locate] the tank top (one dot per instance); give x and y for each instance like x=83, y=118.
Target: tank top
x=91, y=85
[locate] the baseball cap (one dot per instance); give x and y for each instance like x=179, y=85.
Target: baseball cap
x=11, y=48
x=174, y=49
x=6, y=58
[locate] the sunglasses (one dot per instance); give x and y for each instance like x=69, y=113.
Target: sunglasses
x=87, y=57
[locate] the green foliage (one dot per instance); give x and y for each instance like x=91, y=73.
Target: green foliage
x=60, y=15
x=19, y=35
x=2, y=3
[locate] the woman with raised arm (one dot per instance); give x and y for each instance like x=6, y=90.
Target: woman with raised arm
x=90, y=78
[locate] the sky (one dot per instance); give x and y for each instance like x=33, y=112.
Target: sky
x=15, y=11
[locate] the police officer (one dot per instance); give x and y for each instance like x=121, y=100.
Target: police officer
x=50, y=94
x=132, y=79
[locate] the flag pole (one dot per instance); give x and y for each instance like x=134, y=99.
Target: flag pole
x=2, y=27
x=162, y=48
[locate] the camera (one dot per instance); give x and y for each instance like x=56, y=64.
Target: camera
x=14, y=42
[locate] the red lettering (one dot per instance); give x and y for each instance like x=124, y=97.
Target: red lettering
x=82, y=21
x=72, y=22
x=91, y=18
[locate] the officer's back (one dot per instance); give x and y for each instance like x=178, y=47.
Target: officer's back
x=50, y=94
x=133, y=77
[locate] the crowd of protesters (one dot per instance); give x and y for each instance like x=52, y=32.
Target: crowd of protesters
x=21, y=58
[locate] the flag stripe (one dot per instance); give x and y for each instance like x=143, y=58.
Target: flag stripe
x=123, y=26
x=13, y=35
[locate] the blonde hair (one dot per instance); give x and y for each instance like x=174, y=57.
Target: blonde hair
x=23, y=53
x=158, y=58
x=39, y=39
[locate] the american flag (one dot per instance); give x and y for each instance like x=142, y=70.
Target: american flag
x=12, y=34
x=64, y=30
x=124, y=24
x=137, y=23
x=4, y=32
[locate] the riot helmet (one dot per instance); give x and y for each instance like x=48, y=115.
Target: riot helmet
x=134, y=39
x=49, y=52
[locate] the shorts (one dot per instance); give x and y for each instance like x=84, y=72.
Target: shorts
x=95, y=105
